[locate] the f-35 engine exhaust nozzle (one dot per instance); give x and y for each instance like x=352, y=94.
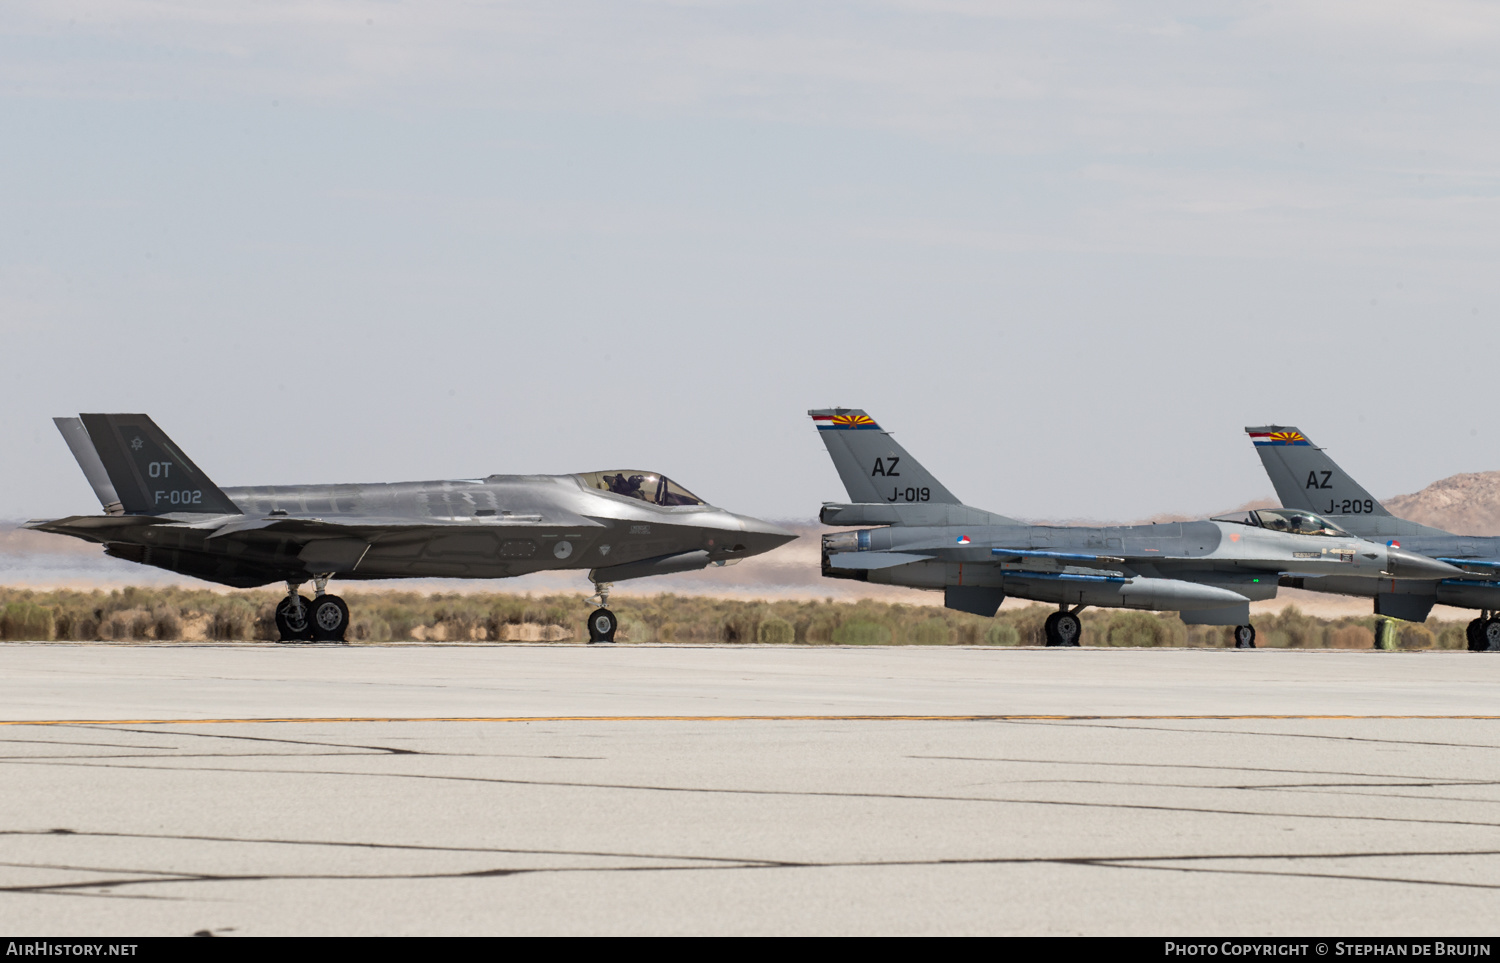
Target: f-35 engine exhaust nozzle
x=1400, y=563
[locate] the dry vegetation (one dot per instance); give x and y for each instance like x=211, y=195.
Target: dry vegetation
x=201, y=615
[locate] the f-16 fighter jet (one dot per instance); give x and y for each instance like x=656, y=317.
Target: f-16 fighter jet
x=161, y=510
x=1306, y=478
x=1209, y=571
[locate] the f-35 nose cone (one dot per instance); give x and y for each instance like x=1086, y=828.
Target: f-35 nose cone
x=1403, y=564
x=761, y=536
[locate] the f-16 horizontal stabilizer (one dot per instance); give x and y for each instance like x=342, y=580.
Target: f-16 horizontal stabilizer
x=150, y=475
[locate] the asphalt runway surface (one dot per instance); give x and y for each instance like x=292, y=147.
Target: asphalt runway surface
x=499, y=789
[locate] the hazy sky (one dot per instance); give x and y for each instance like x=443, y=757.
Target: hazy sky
x=1066, y=250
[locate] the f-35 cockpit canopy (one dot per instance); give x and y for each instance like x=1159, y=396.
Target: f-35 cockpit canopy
x=1285, y=520
x=645, y=485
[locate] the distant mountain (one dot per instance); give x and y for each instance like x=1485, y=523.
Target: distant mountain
x=1465, y=504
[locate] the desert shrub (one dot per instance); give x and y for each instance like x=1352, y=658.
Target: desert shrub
x=1030, y=622
x=634, y=630
x=1451, y=635
x=168, y=623
x=27, y=621
x=821, y=630
x=932, y=631
x=370, y=628
x=861, y=632
x=1002, y=633
x=1136, y=629
x=1416, y=636
x=1350, y=637
x=777, y=631
x=1296, y=630
x=233, y=620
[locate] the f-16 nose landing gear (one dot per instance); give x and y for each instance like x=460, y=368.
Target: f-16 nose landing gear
x=602, y=622
x=1244, y=636
x=323, y=619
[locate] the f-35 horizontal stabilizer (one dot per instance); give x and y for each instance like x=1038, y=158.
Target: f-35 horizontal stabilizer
x=150, y=474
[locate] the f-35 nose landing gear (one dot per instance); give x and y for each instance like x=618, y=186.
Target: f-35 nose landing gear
x=602, y=622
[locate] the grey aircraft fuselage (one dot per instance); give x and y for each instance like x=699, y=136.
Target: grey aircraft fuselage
x=1198, y=567
x=1305, y=477
x=1208, y=570
x=496, y=527
x=493, y=527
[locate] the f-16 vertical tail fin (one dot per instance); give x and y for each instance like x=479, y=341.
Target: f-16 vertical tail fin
x=87, y=457
x=873, y=467
x=149, y=474
x=1306, y=478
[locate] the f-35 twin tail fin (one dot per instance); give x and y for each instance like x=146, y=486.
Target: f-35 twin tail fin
x=136, y=470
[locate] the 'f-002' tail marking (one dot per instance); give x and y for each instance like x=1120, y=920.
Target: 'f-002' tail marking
x=150, y=474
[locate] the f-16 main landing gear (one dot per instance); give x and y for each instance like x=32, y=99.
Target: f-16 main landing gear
x=1484, y=633
x=1244, y=636
x=1064, y=627
x=602, y=622
x=323, y=619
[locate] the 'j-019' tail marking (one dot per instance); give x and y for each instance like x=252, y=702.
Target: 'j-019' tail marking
x=873, y=467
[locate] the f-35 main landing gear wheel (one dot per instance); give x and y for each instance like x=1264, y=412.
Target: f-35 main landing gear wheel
x=1063, y=628
x=1244, y=636
x=330, y=619
x=602, y=625
x=294, y=619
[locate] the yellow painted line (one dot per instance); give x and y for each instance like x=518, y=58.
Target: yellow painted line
x=781, y=718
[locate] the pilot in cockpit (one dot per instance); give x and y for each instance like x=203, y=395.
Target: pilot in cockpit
x=629, y=487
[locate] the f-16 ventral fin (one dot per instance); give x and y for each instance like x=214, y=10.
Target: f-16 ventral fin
x=873, y=467
x=1306, y=478
x=151, y=475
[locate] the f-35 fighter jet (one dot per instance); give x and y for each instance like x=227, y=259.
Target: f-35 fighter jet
x=1306, y=478
x=161, y=510
x=1209, y=571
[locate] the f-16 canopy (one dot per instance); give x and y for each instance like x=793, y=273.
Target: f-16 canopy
x=1285, y=520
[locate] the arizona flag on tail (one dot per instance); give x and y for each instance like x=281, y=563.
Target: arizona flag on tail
x=849, y=422
x=1289, y=436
